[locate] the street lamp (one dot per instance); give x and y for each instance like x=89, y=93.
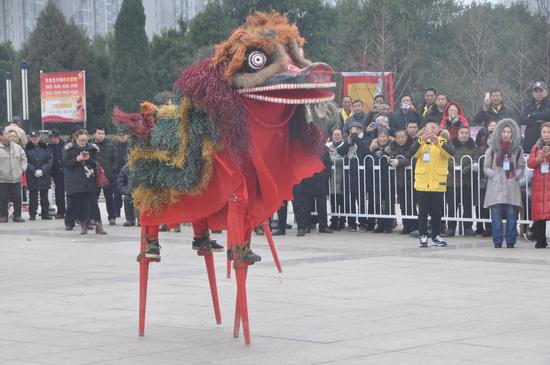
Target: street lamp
x=25, y=95
x=8, y=97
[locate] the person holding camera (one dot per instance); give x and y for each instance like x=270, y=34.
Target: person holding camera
x=355, y=148
x=432, y=152
x=80, y=182
x=453, y=119
x=492, y=109
x=535, y=113
x=539, y=161
x=407, y=112
x=39, y=169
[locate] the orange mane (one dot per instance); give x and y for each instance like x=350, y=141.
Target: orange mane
x=261, y=30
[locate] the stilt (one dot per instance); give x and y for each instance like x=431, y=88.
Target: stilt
x=146, y=232
x=210, y=269
x=237, y=321
x=267, y=231
x=242, y=305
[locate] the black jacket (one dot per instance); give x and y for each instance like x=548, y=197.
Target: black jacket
x=77, y=173
x=57, y=153
x=108, y=159
x=353, y=178
x=39, y=157
x=534, y=114
x=394, y=150
x=483, y=117
x=399, y=120
x=318, y=183
x=433, y=115
x=123, y=181
x=122, y=154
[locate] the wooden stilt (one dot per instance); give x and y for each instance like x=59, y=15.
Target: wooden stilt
x=269, y=236
x=242, y=305
x=210, y=269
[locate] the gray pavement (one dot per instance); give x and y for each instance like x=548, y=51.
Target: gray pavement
x=345, y=298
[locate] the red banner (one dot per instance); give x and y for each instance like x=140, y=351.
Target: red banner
x=63, y=96
x=366, y=85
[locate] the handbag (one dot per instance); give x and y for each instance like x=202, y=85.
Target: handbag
x=100, y=177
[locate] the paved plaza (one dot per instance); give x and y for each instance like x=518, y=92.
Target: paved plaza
x=345, y=298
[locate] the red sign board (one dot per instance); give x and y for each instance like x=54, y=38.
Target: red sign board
x=63, y=96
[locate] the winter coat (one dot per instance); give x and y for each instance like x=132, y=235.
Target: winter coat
x=355, y=154
x=20, y=133
x=434, y=115
x=122, y=154
x=394, y=150
x=462, y=151
x=399, y=120
x=336, y=176
x=13, y=163
x=108, y=159
x=540, y=208
x=39, y=157
x=359, y=118
x=57, y=153
x=124, y=184
x=534, y=114
x=76, y=180
x=500, y=189
x=484, y=116
x=383, y=178
x=318, y=183
x=453, y=125
x=431, y=175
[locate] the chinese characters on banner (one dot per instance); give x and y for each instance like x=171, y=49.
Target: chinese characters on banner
x=63, y=97
x=366, y=85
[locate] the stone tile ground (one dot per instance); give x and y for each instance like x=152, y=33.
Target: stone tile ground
x=346, y=298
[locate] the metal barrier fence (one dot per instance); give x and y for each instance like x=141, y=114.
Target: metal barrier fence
x=372, y=188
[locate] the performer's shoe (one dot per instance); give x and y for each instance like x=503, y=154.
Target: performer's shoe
x=249, y=257
x=205, y=243
x=153, y=250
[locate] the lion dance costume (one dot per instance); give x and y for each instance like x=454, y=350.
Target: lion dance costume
x=229, y=153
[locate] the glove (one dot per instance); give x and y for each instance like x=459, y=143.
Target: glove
x=455, y=121
x=475, y=167
x=531, y=116
x=354, y=138
x=393, y=162
x=38, y=173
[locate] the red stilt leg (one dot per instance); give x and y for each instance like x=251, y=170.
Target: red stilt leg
x=237, y=322
x=240, y=274
x=209, y=260
x=143, y=278
x=267, y=231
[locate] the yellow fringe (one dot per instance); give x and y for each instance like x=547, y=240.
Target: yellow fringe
x=168, y=111
x=152, y=200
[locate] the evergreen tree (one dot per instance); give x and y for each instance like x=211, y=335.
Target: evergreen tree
x=131, y=79
x=56, y=46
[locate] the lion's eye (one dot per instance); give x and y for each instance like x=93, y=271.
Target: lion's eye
x=257, y=60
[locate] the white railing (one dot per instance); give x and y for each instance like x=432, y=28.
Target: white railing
x=379, y=181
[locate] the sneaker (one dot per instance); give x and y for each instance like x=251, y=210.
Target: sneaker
x=250, y=256
x=300, y=233
x=128, y=224
x=423, y=241
x=325, y=230
x=153, y=250
x=112, y=221
x=438, y=241
x=205, y=243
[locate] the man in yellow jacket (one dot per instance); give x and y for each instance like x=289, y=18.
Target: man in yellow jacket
x=432, y=151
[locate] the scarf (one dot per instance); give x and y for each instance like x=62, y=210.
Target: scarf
x=506, y=153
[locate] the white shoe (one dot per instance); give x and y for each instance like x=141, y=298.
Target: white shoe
x=438, y=241
x=423, y=241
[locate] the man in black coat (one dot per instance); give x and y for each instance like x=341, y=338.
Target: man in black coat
x=124, y=186
x=108, y=159
x=39, y=169
x=492, y=109
x=535, y=113
x=314, y=193
x=122, y=153
x=355, y=148
x=56, y=146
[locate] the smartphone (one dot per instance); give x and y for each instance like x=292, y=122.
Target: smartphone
x=487, y=96
x=405, y=106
